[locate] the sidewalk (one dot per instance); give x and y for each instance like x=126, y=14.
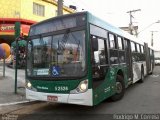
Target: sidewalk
x=7, y=86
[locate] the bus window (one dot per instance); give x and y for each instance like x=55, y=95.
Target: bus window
x=138, y=48
x=113, y=49
x=121, y=52
x=133, y=48
x=120, y=43
x=112, y=41
x=142, y=49
x=125, y=44
x=94, y=30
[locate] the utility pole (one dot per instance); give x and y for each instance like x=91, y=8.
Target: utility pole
x=17, y=34
x=60, y=7
x=152, y=37
x=131, y=22
x=158, y=21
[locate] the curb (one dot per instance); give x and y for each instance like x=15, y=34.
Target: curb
x=16, y=103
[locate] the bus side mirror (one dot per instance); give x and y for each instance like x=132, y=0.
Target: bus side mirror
x=95, y=44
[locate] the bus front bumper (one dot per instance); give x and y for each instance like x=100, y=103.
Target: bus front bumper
x=79, y=99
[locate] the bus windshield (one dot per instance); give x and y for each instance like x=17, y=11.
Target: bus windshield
x=61, y=55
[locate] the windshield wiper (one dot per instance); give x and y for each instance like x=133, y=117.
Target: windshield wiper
x=62, y=44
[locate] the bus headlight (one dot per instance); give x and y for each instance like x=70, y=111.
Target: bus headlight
x=82, y=87
x=29, y=85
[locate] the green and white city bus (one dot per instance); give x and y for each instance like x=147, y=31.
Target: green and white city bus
x=80, y=59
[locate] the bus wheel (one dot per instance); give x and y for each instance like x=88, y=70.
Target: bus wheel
x=120, y=89
x=142, y=76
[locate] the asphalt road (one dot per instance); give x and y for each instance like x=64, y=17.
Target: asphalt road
x=140, y=99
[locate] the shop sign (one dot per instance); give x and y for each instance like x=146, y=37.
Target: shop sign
x=7, y=27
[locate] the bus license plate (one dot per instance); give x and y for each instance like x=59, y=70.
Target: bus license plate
x=52, y=98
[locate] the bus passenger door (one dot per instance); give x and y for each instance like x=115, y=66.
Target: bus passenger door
x=98, y=56
x=128, y=59
x=99, y=62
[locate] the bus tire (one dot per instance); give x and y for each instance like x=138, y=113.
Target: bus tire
x=142, y=75
x=120, y=89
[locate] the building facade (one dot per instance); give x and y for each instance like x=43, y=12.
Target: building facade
x=27, y=12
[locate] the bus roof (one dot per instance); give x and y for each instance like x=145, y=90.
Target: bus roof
x=96, y=21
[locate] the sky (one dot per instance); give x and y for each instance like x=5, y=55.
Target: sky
x=115, y=12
